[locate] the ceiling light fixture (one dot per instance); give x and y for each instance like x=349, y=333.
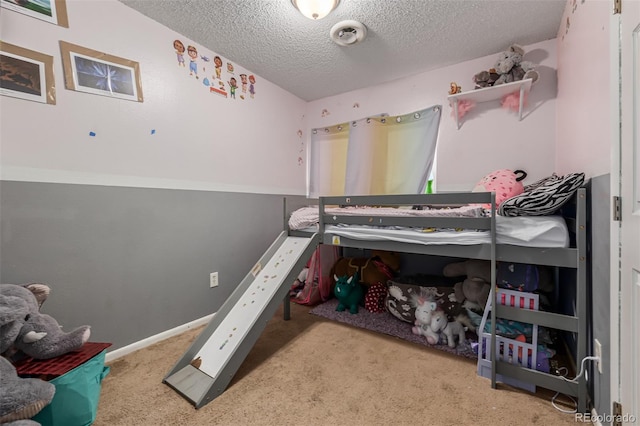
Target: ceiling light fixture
x=315, y=9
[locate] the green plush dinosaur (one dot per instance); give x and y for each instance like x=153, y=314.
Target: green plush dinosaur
x=349, y=293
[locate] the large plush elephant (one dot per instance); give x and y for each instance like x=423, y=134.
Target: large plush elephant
x=24, y=328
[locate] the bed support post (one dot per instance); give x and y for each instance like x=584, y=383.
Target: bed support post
x=286, y=303
x=581, y=293
x=286, y=307
x=493, y=294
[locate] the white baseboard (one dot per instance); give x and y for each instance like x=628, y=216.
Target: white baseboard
x=111, y=356
x=594, y=416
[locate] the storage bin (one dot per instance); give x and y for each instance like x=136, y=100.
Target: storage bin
x=77, y=377
x=509, y=350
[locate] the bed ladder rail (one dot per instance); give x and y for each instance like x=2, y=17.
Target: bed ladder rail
x=207, y=367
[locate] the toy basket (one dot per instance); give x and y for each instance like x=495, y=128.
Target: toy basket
x=77, y=377
x=509, y=350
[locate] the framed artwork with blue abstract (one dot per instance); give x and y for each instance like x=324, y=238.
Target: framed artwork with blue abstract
x=98, y=73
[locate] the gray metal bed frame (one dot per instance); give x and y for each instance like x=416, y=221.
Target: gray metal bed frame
x=573, y=258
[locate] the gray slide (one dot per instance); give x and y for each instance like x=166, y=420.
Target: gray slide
x=207, y=367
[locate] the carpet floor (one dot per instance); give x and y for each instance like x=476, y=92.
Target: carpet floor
x=384, y=322
x=313, y=371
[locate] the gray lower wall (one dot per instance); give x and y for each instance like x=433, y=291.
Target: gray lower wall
x=132, y=262
x=600, y=289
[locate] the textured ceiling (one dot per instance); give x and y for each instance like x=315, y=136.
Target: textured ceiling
x=404, y=37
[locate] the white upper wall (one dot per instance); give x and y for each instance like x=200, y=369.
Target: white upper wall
x=201, y=140
x=490, y=137
x=205, y=141
x=584, y=96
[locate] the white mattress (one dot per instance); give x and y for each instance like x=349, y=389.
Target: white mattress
x=527, y=231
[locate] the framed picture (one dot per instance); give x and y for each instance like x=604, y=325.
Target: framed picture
x=90, y=71
x=53, y=11
x=26, y=74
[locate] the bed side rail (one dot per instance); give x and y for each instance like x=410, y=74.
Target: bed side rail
x=416, y=201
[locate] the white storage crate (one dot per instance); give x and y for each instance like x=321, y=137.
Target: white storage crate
x=513, y=351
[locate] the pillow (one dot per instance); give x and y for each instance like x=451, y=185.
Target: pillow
x=399, y=299
x=375, y=297
x=543, y=199
x=530, y=187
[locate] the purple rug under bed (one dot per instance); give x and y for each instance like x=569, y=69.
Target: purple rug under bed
x=386, y=323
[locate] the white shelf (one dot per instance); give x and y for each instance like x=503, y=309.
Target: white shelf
x=492, y=93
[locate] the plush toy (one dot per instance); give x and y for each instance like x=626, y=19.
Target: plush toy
x=24, y=329
x=424, y=309
x=349, y=293
x=464, y=106
x=21, y=398
x=450, y=331
x=485, y=78
x=380, y=267
x=476, y=286
x=510, y=67
x=454, y=88
x=504, y=182
x=298, y=283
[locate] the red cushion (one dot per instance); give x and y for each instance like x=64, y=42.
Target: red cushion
x=374, y=299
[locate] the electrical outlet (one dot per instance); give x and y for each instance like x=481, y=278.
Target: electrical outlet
x=213, y=279
x=598, y=352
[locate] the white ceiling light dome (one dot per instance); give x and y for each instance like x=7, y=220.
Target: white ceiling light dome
x=315, y=9
x=348, y=33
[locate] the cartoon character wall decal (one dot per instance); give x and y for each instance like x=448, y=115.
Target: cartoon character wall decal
x=226, y=83
x=233, y=85
x=205, y=59
x=193, y=65
x=218, y=63
x=244, y=82
x=179, y=48
x=252, y=82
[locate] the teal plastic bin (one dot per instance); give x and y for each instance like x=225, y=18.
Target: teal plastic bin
x=75, y=402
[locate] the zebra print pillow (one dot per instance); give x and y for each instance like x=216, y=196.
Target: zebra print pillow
x=543, y=199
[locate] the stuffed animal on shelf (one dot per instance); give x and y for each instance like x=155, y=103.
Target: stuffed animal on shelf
x=510, y=67
x=476, y=286
x=349, y=293
x=454, y=88
x=26, y=331
x=425, y=307
x=451, y=332
x=485, y=78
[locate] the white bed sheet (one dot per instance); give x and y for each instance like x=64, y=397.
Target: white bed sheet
x=527, y=231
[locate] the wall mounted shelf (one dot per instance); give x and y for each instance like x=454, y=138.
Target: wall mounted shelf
x=492, y=93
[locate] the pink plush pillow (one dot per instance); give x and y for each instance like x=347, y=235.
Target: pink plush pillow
x=505, y=183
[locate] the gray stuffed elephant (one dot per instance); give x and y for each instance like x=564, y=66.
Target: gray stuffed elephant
x=24, y=328
x=21, y=398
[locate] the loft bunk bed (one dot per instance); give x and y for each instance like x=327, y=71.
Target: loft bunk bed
x=465, y=225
